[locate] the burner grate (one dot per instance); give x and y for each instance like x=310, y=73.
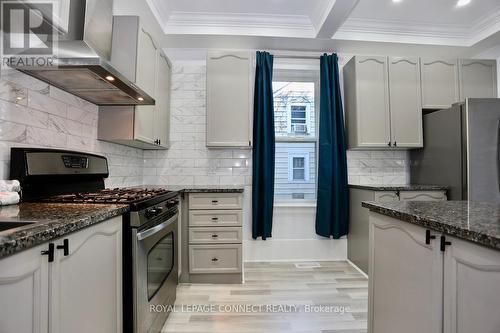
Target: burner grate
x=115, y=195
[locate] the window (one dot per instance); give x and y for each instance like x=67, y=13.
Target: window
x=299, y=114
x=298, y=167
x=295, y=93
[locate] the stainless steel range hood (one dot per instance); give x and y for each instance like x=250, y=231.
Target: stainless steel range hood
x=82, y=54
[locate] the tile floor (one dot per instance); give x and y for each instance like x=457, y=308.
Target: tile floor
x=276, y=297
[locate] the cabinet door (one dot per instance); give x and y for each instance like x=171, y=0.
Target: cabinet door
x=439, y=83
x=229, y=99
x=86, y=285
x=162, y=107
x=372, y=90
x=478, y=79
x=145, y=79
x=405, y=285
x=422, y=196
x=471, y=288
x=24, y=292
x=386, y=196
x=405, y=102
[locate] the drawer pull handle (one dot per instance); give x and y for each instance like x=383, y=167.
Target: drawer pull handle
x=215, y=219
x=215, y=202
x=215, y=259
x=215, y=236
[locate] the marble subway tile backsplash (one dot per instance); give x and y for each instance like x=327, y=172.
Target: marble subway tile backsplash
x=378, y=166
x=34, y=114
x=189, y=161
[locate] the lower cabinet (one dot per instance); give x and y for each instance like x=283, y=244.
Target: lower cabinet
x=357, y=244
x=215, y=237
x=78, y=290
x=415, y=286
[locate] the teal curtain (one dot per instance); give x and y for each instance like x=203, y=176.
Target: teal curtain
x=332, y=208
x=263, y=148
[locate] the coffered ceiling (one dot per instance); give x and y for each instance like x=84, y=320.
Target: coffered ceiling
x=423, y=22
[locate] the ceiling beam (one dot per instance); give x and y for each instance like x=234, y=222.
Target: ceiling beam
x=333, y=17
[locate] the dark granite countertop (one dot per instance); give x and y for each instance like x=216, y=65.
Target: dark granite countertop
x=202, y=188
x=473, y=221
x=400, y=187
x=51, y=221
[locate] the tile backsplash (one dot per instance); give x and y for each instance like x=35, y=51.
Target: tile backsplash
x=189, y=161
x=34, y=114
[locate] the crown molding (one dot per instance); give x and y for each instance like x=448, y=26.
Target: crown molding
x=419, y=33
x=298, y=26
x=157, y=13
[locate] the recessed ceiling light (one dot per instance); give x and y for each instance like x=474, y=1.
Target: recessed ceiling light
x=461, y=3
x=110, y=78
x=140, y=99
x=397, y=1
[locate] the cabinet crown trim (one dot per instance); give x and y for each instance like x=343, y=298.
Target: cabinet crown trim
x=371, y=59
x=440, y=62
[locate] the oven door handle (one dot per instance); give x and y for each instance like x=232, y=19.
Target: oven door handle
x=157, y=228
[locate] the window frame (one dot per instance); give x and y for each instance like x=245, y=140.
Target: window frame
x=305, y=156
x=288, y=74
x=307, y=116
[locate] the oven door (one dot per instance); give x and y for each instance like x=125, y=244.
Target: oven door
x=155, y=274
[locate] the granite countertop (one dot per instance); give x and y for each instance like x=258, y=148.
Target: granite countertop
x=400, y=187
x=473, y=221
x=51, y=221
x=202, y=188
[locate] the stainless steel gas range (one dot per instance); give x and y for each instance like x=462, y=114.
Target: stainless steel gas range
x=150, y=268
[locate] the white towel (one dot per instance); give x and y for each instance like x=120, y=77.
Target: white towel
x=10, y=186
x=9, y=198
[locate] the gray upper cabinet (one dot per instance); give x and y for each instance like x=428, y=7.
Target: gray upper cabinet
x=478, y=79
x=366, y=87
x=405, y=102
x=440, y=87
x=382, y=98
x=136, y=54
x=229, y=99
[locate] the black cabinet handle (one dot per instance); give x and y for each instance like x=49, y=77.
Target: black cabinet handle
x=443, y=244
x=64, y=246
x=215, y=219
x=49, y=252
x=215, y=236
x=428, y=237
x=389, y=143
x=159, y=142
x=215, y=202
x=215, y=259
x=395, y=144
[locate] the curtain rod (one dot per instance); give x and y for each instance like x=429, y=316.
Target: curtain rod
x=296, y=57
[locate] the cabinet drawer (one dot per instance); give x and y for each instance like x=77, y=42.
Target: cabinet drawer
x=222, y=218
x=215, y=201
x=214, y=259
x=386, y=196
x=422, y=196
x=214, y=235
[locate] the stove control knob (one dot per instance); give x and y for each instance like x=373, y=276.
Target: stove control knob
x=150, y=213
x=159, y=210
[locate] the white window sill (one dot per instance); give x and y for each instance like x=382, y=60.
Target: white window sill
x=297, y=204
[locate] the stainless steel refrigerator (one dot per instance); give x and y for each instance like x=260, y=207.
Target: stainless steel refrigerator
x=461, y=150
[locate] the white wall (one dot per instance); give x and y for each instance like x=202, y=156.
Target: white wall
x=34, y=114
x=498, y=77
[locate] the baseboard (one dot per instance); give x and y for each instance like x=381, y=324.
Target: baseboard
x=357, y=268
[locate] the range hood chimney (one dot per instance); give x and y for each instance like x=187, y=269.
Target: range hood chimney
x=82, y=52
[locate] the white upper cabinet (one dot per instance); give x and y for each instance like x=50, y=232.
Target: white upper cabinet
x=146, y=72
x=162, y=107
x=478, y=79
x=229, y=99
x=440, y=86
x=382, y=99
x=405, y=102
x=366, y=86
x=137, y=56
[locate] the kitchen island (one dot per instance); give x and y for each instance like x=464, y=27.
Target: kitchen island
x=434, y=267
